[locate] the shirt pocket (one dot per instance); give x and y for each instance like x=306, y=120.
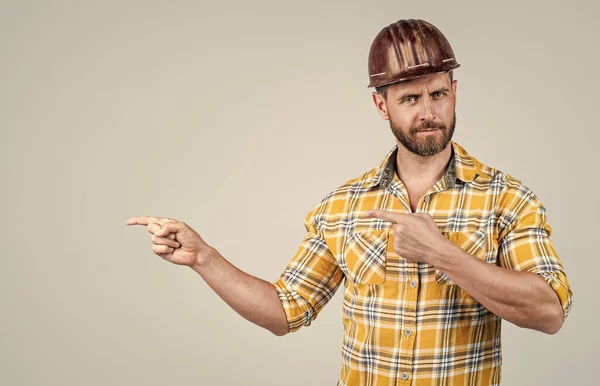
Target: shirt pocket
x=472, y=242
x=364, y=257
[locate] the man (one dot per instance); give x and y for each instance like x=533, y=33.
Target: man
x=434, y=248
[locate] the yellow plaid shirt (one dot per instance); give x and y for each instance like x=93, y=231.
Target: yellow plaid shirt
x=408, y=323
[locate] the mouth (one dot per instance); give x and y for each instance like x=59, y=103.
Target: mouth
x=428, y=130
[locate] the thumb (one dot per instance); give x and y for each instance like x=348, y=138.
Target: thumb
x=170, y=227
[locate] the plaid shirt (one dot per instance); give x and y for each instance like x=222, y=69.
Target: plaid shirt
x=408, y=323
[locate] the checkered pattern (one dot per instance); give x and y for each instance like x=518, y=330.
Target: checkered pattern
x=408, y=323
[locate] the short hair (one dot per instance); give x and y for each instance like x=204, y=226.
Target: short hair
x=382, y=90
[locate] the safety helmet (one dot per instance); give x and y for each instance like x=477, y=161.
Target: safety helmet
x=408, y=49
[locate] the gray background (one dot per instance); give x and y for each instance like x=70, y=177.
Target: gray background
x=237, y=118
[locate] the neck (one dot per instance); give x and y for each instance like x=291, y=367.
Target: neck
x=417, y=170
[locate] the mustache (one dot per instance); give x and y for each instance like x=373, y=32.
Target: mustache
x=428, y=125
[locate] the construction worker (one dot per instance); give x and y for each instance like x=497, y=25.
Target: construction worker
x=434, y=248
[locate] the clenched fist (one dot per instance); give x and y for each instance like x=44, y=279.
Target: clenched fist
x=174, y=240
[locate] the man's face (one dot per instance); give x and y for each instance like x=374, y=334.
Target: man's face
x=421, y=112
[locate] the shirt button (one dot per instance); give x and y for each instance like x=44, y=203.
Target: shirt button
x=404, y=376
x=413, y=284
x=408, y=332
x=426, y=198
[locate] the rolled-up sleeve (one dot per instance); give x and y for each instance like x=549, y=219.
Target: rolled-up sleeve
x=525, y=245
x=310, y=279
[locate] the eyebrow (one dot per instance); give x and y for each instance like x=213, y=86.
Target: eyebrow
x=407, y=94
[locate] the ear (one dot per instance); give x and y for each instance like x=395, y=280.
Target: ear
x=454, y=83
x=380, y=105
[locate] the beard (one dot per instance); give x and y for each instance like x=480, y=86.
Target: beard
x=428, y=145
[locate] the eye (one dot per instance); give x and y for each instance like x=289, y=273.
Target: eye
x=438, y=94
x=409, y=99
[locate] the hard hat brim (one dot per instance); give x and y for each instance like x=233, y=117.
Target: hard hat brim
x=423, y=72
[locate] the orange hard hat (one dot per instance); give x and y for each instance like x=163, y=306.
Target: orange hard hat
x=408, y=49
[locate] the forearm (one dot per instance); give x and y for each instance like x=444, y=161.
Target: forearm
x=522, y=298
x=254, y=299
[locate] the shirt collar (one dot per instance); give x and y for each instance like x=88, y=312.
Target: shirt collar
x=462, y=166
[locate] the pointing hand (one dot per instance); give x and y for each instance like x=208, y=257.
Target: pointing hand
x=416, y=236
x=173, y=240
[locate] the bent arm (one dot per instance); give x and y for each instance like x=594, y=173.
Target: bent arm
x=528, y=287
x=254, y=299
x=522, y=298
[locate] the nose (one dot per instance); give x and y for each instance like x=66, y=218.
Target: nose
x=427, y=110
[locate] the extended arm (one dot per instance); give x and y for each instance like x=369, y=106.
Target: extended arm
x=254, y=299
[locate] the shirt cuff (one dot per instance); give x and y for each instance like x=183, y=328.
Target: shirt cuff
x=562, y=290
x=298, y=311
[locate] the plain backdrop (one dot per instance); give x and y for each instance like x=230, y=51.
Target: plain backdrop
x=238, y=118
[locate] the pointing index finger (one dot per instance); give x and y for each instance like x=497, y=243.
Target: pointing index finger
x=137, y=220
x=145, y=220
x=384, y=215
